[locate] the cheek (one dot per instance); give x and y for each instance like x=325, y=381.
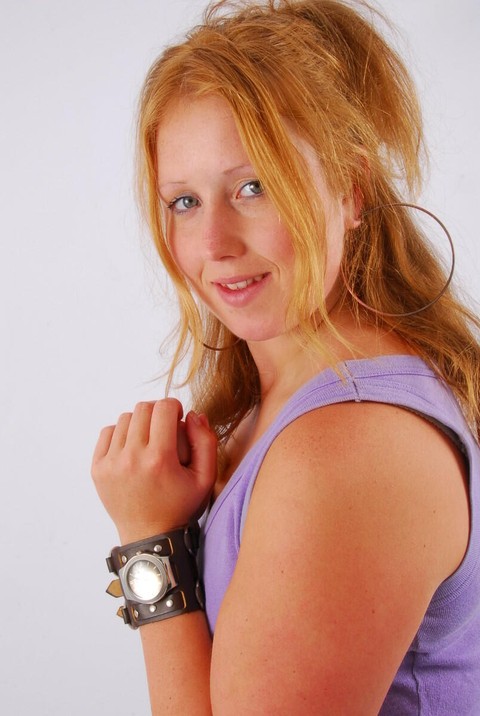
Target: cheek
x=183, y=256
x=190, y=268
x=281, y=247
x=335, y=245
x=179, y=245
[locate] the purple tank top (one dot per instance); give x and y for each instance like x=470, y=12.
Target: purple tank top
x=440, y=674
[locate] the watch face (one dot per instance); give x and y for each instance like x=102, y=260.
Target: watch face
x=146, y=579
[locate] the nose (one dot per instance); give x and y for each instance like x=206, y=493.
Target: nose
x=221, y=232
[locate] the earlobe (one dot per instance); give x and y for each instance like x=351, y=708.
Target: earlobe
x=352, y=207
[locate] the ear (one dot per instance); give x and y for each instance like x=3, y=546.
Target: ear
x=352, y=208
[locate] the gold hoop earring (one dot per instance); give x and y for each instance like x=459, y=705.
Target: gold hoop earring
x=212, y=348
x=223, y=348
x=437, y=297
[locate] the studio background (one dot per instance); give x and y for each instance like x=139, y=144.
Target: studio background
x=84, y=308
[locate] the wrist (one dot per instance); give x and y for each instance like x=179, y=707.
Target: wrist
x=137, y=532
x=157, y=576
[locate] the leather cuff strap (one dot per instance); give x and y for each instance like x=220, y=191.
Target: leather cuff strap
x=178, y=548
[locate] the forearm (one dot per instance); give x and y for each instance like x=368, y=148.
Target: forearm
x=177, y=655
x=149, y=493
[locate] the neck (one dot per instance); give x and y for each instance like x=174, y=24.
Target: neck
x=279, y=362
x=284, y=365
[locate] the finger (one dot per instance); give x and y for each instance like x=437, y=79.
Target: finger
x=183, y=446
x=139, y=428
x=203, y=444
x=120, y=432
x=164, y=424
x=103, y=443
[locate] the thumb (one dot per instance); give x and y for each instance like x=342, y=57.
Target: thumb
x=203, y=445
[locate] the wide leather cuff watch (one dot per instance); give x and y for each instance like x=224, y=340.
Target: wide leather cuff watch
x=158, y=577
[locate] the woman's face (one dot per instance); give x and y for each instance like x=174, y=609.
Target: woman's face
x=225, y=234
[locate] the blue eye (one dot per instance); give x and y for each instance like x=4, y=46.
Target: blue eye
x=182, y=204
x=251, y=188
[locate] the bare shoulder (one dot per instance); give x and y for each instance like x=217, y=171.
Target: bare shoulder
x=381, y=458
x=358, y=513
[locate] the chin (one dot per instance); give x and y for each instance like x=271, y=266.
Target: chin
x=261, y=335
x=255, y=331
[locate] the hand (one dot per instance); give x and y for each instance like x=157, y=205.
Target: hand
x=152, y=471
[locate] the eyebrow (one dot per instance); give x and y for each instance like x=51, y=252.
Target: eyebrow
x=226, y=172
x=241, y=167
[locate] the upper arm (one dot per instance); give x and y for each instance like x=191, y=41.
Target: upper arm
x=358, y=513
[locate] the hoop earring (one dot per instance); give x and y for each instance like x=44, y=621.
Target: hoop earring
x=439, y=295
x=223, y=348
x=212, y=348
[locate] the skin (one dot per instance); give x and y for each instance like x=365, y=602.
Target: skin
x=222, y=227
x=389, y=487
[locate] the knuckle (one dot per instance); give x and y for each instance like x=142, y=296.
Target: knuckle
x=106, y=431
x=127, y=462
x=144, y=406
x=153, y=463
x=169, y=404
x=138, y=465
x=98, y=471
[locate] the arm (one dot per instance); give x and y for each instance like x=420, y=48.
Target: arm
x=358, y=513
x=147, y=491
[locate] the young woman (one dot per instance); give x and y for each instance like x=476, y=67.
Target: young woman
x=332, y=449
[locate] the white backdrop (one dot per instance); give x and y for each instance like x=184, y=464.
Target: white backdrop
x=83, y=308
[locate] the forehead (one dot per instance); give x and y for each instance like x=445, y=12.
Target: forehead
x=195, y=129
x=198, y=138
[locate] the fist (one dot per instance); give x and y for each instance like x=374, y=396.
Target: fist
x=153, y=471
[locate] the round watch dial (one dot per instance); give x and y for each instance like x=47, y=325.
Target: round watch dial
x=146, y=580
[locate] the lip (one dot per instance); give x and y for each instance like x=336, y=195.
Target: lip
x=240, y=296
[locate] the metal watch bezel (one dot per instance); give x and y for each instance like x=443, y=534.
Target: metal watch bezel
x=162, y=564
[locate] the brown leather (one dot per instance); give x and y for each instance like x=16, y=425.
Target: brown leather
x=180, y=546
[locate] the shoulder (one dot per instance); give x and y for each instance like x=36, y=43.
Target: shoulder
x=358, y=513
x=373, y=456
x=355, y=430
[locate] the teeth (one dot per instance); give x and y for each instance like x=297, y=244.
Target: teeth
x=242, y=284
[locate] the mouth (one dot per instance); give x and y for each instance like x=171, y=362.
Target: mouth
x=240, y=285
